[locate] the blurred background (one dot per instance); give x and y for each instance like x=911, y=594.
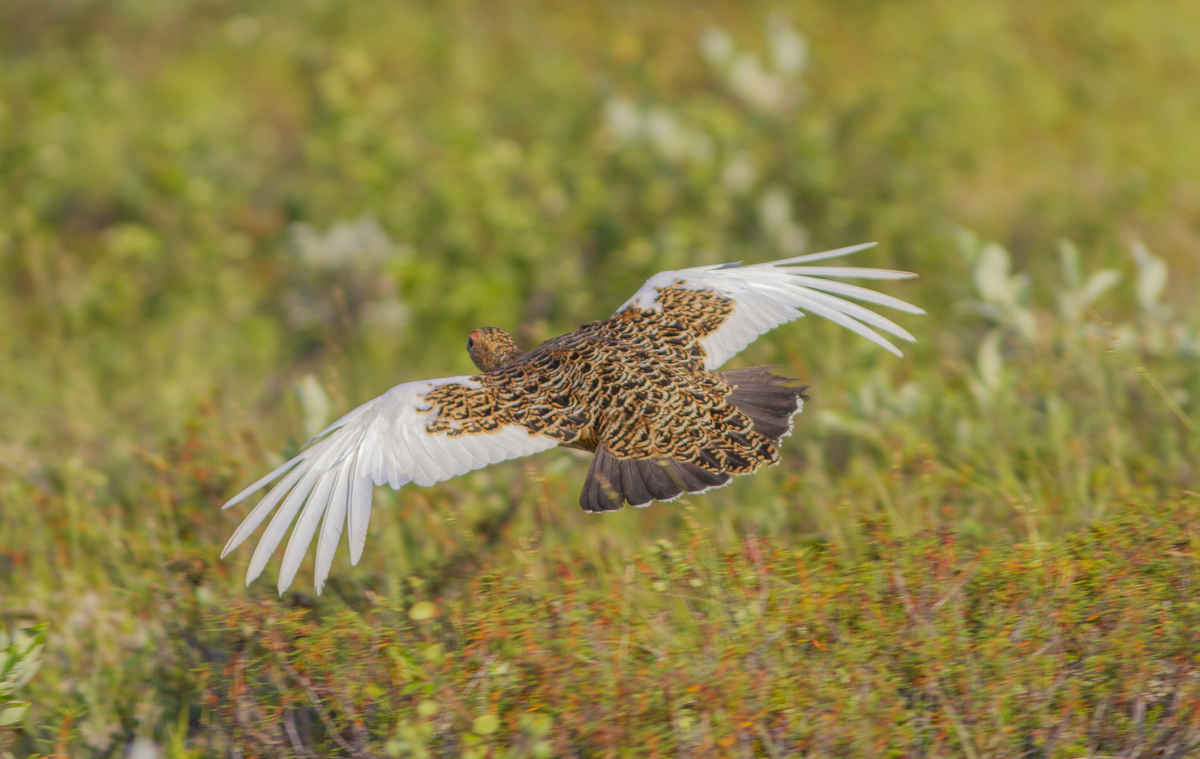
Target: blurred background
x=223, y=224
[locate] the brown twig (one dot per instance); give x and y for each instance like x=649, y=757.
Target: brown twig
x=935, y=687
x=315, y=698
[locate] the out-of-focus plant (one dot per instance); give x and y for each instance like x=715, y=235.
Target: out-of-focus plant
x=1076, y=295
x=657, y=126
x=1004, y=300
x=774, y=88
x=1003, y=295
x=20, y=660
x=1158, y=328
x=877, y=404
x=314, y=404
x=344, y=278
x=722, y=139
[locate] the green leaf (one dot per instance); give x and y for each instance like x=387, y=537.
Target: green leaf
x=421, y=611
x=486, y=724
x=1099, y=283
x=14, y=713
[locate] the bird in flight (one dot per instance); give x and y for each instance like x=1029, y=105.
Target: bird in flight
x=640, y=390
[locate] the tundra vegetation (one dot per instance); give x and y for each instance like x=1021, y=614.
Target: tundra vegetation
x=222, y=224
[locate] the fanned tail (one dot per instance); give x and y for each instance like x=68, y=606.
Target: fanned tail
x=768, y=399
x=612, y=481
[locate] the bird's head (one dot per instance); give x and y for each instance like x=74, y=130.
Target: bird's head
x=491, y=348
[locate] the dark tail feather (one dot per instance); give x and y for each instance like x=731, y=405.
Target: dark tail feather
x=768, y=399
x=611, y=482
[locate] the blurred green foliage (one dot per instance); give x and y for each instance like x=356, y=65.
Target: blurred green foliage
x=20, y=659
x=222, y=224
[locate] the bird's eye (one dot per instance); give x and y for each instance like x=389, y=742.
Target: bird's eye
x=470, y=343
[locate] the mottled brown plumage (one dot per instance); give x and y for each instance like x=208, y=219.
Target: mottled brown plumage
x=632, y=388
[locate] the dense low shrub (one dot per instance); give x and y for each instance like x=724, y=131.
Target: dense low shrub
x=1083, y=648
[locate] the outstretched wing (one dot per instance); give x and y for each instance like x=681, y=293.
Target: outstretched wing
x=743, y=302
x=385, y=440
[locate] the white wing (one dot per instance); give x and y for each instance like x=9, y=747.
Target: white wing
x=773, y=293
x=331, y=481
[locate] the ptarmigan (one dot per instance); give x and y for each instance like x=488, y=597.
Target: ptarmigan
x=639, y=389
